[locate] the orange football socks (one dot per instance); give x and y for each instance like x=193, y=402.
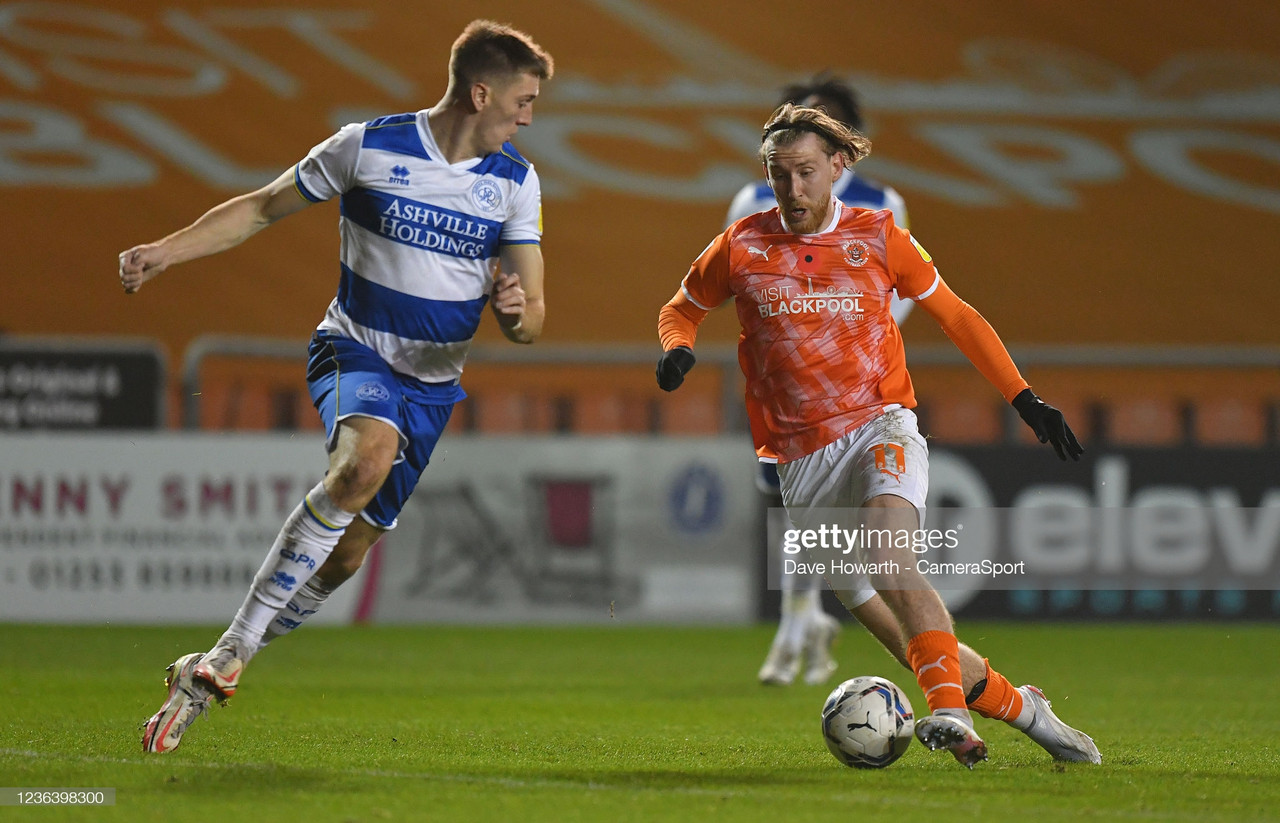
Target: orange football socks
x=935, y=658
x=999, y=699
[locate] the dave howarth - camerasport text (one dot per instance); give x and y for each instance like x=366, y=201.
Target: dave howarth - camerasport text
x=839, y=566
x=845, y=541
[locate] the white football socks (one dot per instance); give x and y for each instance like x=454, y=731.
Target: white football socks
x=800, y=605
x=304, y=603
x=305, y=541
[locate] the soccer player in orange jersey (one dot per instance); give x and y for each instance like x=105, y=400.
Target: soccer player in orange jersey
x=806, y=633
x=829, y=398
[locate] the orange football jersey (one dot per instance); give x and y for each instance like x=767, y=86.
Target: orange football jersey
x=819, y=348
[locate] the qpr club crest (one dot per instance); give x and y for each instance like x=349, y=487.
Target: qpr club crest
x=857, y=253
x=373, y=391
x=486, y=195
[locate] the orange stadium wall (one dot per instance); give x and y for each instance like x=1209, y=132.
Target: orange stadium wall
x=1082, y=172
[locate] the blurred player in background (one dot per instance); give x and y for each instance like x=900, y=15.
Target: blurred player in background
x=829, y=397
x=440, y=215
x=806, y=632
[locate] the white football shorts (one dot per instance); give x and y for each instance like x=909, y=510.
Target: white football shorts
x=884, y=456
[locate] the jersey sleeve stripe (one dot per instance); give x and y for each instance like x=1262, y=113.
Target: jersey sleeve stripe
x=519, y=242
x=692, y=299
x=937, y=279
x=302, y=189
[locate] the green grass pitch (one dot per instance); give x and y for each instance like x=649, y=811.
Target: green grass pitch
x=620, y=723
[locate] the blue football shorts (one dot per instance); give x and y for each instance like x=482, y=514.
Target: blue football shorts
x=767, y=481
x=349, y=379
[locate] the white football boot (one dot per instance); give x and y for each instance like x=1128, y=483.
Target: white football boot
x=1054, y=736
x=780, y=667
x=221, y=668
x=951, y=732
x=188, y=700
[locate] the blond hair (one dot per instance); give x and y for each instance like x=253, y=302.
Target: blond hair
x=790, y=122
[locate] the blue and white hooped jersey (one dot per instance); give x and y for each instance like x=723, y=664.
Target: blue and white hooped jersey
x=851, y=190
x=420, y=238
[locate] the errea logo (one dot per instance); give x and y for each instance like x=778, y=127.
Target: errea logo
x=399, y=176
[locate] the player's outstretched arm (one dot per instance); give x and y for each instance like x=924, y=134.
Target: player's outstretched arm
x=224, y=226
x=974, y=336
x=517, y=300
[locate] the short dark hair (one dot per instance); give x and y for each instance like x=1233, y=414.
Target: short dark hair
x=487, y=50
x=828, y=87
x=790, y=123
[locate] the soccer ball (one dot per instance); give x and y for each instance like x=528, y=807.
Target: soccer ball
x=867, y=722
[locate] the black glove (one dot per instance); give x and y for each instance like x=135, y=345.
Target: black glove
x=673, y=366
x=1048, y=424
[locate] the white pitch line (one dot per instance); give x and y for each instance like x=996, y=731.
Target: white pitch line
x=506, y=782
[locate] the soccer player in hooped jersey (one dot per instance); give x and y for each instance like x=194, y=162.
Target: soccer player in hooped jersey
x=805, y=631
x=440, y=215
x=829, y=399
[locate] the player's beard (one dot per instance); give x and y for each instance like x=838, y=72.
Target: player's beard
x=810, y=221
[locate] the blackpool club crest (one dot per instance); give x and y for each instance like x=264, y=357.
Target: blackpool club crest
x=856, y=253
